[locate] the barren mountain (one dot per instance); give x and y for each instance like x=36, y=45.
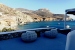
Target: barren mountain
x=7, y=10
x=43, y=13
x=11, y=17
x=24, y=10
x=30, y=12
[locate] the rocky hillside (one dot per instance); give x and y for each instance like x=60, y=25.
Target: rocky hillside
x=43, y=14
x=40, y=12
x=10, y=17
x=24, y=10
x=30, y=12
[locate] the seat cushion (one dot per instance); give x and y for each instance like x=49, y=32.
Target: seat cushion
x=51, y=34
x=29, y=36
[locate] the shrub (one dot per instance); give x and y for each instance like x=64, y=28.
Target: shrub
x=5, y=29
x=9, y=29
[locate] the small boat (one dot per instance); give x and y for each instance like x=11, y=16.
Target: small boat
x=67, y=26
x=47, y=26
x=58, y=23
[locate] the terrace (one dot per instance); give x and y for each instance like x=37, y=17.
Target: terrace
x=41, y=43
x=13, y=41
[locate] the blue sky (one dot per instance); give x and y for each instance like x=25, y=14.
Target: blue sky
x=55, y=6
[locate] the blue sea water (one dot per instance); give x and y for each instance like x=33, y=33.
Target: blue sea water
x=43, y=24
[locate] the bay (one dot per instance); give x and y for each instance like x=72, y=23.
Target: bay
x=43, y=24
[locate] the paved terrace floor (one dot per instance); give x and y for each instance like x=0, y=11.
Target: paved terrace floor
x=41, y=43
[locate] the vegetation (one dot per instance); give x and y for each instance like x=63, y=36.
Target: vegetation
x=6, y=13
x=6, y=30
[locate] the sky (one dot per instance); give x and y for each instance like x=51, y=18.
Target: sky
x=55, y=6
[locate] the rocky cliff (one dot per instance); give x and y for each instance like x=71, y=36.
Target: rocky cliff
x=30, y=12
x=43, y=14
x=10, y=18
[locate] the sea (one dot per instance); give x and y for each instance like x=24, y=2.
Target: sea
x=44, y=24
